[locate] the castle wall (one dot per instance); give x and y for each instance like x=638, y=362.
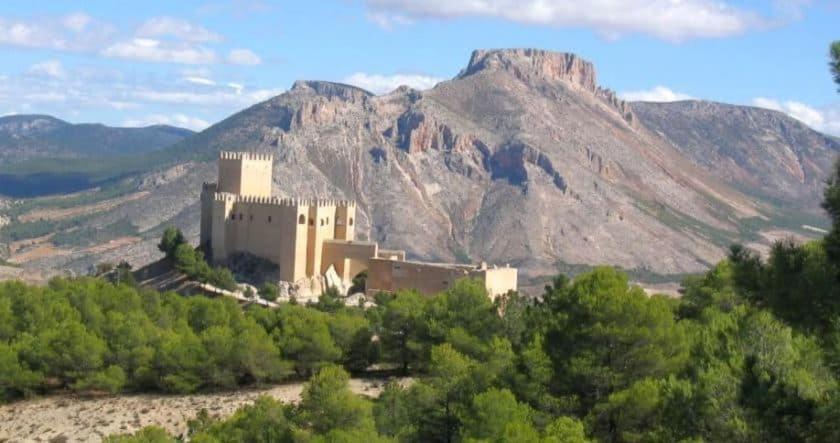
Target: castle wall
x=499, y=281
x=349, y=257
x=208, y=193
x=392, y=254
x=289, y=233
x=221, y=208
x=320, y=227
x=294, y=233
x=269, y=229
x=386, y=275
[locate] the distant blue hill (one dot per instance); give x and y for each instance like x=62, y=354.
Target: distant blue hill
x=41, y=155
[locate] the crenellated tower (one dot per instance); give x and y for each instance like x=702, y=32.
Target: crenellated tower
x=245, y=173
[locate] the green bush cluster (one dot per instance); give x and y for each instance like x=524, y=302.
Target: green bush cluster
x=90, y=335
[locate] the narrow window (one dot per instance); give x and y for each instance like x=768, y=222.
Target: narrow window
x=322, y=222
x=269, y=219
x=351, y=221
x=240, y=216
x=302, y=219
x=328, y=220
x=311, y=222
x=251, y=217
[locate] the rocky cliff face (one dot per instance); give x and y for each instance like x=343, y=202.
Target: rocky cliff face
x=528, y=65
x=522, y=158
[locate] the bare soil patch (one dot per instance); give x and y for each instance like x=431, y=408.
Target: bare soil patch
x=16, y=246
x=89, y=420
x=41, y=250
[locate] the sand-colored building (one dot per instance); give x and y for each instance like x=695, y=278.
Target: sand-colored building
x=305, y=237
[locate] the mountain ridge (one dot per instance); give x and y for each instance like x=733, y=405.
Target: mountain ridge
x=525, y=160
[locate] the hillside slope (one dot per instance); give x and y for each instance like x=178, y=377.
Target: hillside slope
x=522, y=158
x=765, y=153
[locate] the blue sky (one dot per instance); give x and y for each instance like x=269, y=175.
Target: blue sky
x=192, y=63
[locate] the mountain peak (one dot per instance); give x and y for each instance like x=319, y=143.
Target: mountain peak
x=530, y=64
x=330, y=89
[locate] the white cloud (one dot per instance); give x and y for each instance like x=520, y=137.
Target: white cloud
x=217, y=97
x=48, y=68
x=244, y=57
x=673, y=20
x=122, y=105
x=826, y=120
x=77, y=21
x=655, y=94
x=159, y=39
x=46, y=97
x=380, y=84
x=25, y=34
x=73, y=32
x=389, y=21
x=178, y=119
x=200, y=81
x=180, y=29
x=238, y=87
x=147, y=49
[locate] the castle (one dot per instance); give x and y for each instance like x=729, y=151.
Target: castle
x=304, y=238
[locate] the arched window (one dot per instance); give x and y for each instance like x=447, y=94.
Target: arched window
x=350, y=221
x=302, y=219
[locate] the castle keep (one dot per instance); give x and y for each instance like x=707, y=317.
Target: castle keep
x=305, y=237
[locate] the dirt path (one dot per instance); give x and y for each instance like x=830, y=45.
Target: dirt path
x=89, y=420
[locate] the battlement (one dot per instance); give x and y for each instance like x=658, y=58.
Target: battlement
x=282, y=201
x=234, y=155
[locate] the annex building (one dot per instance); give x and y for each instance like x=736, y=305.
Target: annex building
x=307, y=237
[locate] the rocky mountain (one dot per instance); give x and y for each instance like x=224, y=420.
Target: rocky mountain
x=26, y=137
x=762, y=152
x=521, y=158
